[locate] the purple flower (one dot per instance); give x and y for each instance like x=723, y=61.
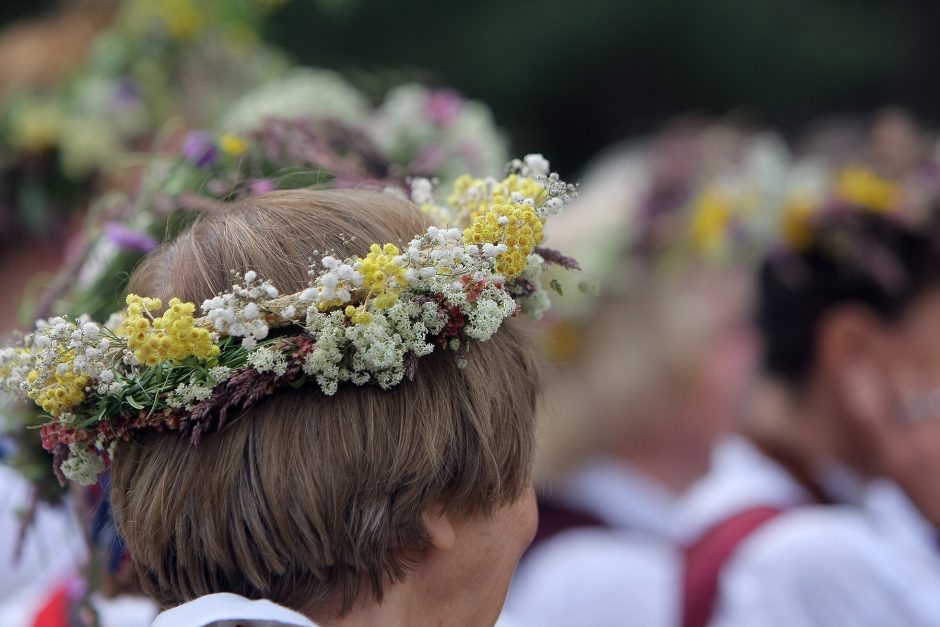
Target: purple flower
x=443, y=106
x=129, y=239
x=126, y=93
x=200, y=148
x=262, y=186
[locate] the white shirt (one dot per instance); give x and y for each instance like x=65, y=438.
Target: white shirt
x=53, y=549
x=228, y=610
x=625, y=575
x=231, y=610
x=826, y=566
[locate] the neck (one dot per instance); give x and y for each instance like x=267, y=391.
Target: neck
x=667, y=461
x=417, y=601
x=395, y=610
x=800, y=425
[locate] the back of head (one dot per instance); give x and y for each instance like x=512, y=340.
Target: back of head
x=309, y=499
x=855, y=258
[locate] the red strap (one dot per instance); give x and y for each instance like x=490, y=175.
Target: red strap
x=55, y=612
x=707, y=556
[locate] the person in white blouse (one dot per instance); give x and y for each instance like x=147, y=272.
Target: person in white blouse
x=653, y=385
x=794, y=531
x=33, y=563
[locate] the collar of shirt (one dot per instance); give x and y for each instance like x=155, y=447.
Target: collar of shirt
x=214, y=608
x=741, y=477
x=621, y=496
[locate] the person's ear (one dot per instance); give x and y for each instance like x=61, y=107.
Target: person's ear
x=847, y=337
x=439, y=526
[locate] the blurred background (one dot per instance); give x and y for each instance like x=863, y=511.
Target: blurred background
x=568, y=84
x=704, y=136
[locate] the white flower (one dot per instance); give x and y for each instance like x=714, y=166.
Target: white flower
x=264, y=359
x=218, y=374
x=421, y=191
x=82, y=466
x=536, y=165
x=250, y=276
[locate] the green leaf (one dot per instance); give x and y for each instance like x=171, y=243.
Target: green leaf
x=555, y=285
x=133, y=402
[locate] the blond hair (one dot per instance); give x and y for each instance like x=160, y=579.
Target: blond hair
x=307, y=499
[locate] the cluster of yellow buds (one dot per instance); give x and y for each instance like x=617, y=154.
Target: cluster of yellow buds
x=864, y=188
x=516, y=226
x=173, y=335
x=383, y=274
x=64, y=391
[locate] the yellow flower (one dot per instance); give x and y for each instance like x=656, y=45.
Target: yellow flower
x=710, y=221
x=358, y=315
x=233, y=144
x=863, y=187
x=516, y=225
x=63, y=392
x=183, y=18
x=383, y=274
x=476, y=196
x=795, y=226
x=36, y=127
x=172, y=336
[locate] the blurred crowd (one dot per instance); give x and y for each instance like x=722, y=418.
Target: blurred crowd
x=743, y=377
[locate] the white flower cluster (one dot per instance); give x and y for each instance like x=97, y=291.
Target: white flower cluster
x=15, y=365
x=303, y=93
x=265, y=359
x=538, y=302
x=186, y=395
x=378, y=349
x=531, y=166
x=237, y=314
x=82, y=465
x=60, y=346
x=437, y=252
x=333, y=287
x=463, y=140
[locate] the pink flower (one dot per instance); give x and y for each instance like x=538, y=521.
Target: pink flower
x=262, y=186
x=443, y=106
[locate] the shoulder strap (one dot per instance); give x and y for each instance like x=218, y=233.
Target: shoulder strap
x=554, y=518
x=707, y=556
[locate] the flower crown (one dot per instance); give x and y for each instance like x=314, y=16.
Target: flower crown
x=361, y=320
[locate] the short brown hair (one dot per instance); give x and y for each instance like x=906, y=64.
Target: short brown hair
x=306, y=498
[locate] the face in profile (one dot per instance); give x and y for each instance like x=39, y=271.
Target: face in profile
x=883, y=370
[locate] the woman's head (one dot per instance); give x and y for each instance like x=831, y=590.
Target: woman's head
x=857, y=263
x=861, y=302
x=659, y=364
x=317, y=501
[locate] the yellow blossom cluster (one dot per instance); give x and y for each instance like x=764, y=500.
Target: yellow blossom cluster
x=863, y=187
x=184, y=19
x=383, y=275
x=358, y=315
x=516, y=225
x=63, y=391
x=711, y=219
x=475, y=196
x=233, y=145
x=170, y=336
x=515, y=183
